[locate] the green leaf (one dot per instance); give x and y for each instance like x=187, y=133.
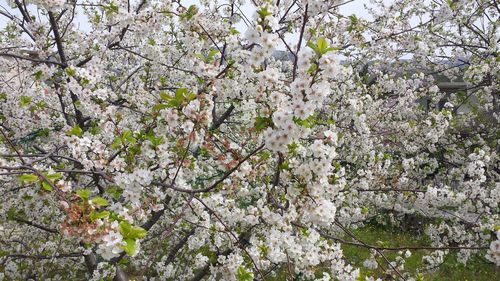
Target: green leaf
x=179, y=97
x=179, y=93
x=292, y=148
x=354, y=22
x=382, y=243
x=452, y=4
x=130, y=231
x=38, y=75
x=130, y=246
x=353, y=19
x=312, y=68
x=84, y=193
x=311, y=45
x=233, y=31
x=285, y=165
x=11, y=213
x=99, y=201
x=25, y=100
x=70, y=71
x=243, y=275
x=47, y=186
x=116, y=142
x=114, y=191
x=128, y=136
x=264, y=155
x=137, y=232
x=263, y=12
x=28, y=177
x=191, y=11
x=305, y=232
x=164, y=96
x=54, y=176
x=322, y=45
x=76, y=131
x=125, y=227
x=159, y=106
x=110, y=9
x=264, y=249
x=211, y=54
x=155, y=141
x=200, y=56
x=191, y=96
x=94, y=215
x=262, y=122
x=94, y=128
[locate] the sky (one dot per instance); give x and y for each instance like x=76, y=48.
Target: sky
x=355, y=7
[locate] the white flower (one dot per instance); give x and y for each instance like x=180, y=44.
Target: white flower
x=493, y=253
x=111, y=246
x=324, y=213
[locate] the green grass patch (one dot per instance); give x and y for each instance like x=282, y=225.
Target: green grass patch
x=477, y=268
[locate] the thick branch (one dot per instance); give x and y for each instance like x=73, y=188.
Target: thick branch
x=304, y=22
x=219, y=121
x=57, y=37
x=30, y=223
x=214, y=185
x=39, y=257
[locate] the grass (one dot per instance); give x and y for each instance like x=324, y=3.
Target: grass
x=477, y=268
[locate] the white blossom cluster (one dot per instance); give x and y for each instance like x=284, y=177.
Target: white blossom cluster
x=200, y=142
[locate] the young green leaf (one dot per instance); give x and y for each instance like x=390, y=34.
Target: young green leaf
x=130, y=231
x=54, y=176
x=25, y=100
x=75, y=131
x=130, y=246
x=28, y=177
x=262, y=122
x=47, y=186
x=243, y=275
x=94, y=215
x=99, y=201
x=83, y=193
x=322, y=45
x=313, y=46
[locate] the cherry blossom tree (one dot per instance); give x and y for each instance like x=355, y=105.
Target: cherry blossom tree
x=169, y=141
